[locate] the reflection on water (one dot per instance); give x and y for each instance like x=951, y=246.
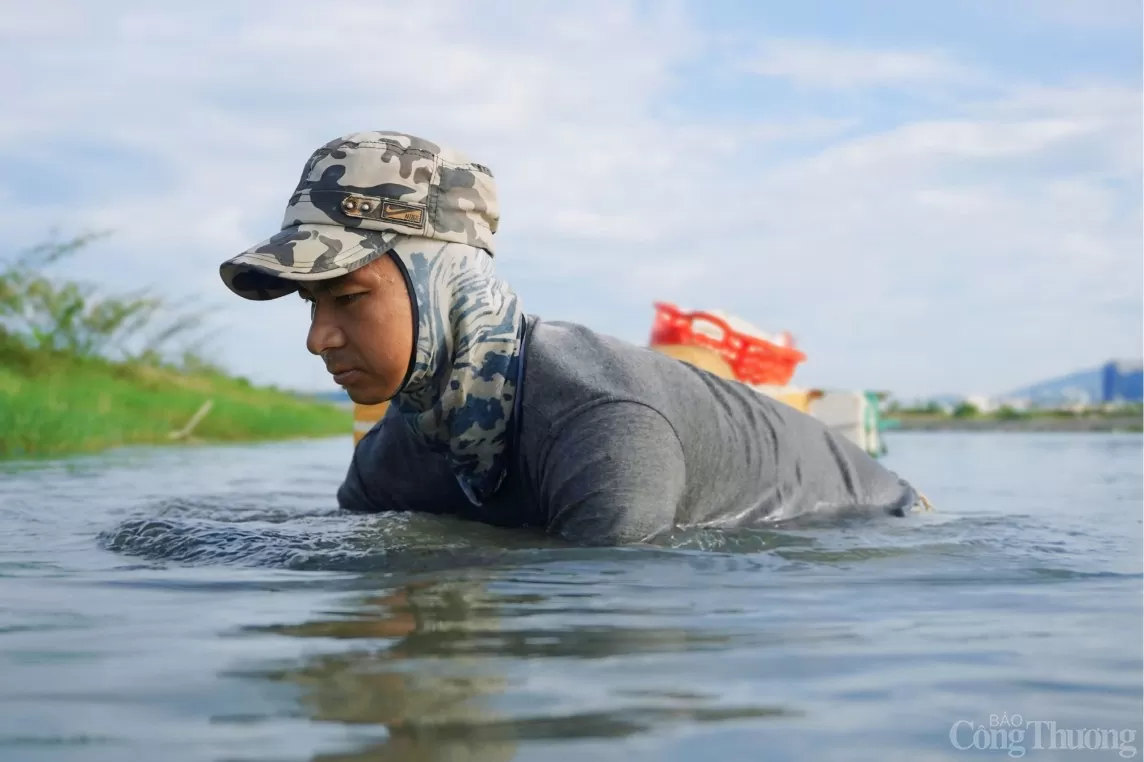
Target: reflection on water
x=429, y=660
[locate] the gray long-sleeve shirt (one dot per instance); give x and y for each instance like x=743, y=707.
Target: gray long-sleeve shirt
x=615, y=443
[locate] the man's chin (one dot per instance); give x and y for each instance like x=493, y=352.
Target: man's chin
x=366, y=396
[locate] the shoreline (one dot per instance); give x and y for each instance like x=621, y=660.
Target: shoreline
x=1039, y=424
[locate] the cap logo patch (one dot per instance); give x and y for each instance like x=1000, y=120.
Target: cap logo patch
x=403, y=214
x=383, y=210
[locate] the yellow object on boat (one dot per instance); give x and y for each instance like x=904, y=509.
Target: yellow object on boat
x=701, y=357
x=713, y=362
x=799, y=399
x=365, y=416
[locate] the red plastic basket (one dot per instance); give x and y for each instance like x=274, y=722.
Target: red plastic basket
x=753, y=360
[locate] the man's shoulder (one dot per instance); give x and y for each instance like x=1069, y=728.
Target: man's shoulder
x=569, y=365
x=582, y=356
x=576, y=335
x=391, y=444
x=392, y=469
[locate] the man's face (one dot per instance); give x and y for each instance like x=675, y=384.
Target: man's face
x=362, y=328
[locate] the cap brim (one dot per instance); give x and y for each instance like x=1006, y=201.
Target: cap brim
x=274, y=268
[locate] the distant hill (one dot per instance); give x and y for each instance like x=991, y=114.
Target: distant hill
x=1111, y=382
x=1115, y=381
x=1081, y=386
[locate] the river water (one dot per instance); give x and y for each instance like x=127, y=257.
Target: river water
x=210, y=604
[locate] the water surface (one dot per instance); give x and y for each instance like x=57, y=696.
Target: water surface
x=211, y=603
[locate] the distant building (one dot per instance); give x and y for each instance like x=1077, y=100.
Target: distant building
x=1112, y=384
x=1122, y=382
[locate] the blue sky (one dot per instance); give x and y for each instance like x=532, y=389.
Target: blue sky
x=931, y=197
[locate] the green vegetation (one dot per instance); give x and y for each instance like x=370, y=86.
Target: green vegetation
x=81, y=371
x=966, y=416
x=1006, y=413
x=965, y=410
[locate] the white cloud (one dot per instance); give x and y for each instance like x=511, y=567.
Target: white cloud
x=923, y=254
x=990, y=246
x=815, y=63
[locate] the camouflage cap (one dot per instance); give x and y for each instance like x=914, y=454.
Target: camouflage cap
x=359, y=193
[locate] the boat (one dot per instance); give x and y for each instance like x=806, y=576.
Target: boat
x=732, y=348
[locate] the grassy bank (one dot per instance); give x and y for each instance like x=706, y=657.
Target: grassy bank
x=55, y=403
x=82, y=369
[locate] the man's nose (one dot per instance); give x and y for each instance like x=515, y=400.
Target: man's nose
x=324, y=332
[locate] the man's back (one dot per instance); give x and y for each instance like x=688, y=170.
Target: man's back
x=615, y=443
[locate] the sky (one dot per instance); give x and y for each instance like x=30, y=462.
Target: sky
x=931, y=197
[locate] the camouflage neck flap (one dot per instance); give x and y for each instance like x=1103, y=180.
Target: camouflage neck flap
x=462, y=386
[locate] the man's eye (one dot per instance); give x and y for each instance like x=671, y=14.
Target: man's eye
x=347, y=298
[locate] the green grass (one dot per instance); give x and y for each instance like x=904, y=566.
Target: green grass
x=53, y=403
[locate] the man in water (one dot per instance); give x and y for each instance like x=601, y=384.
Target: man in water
x=502, y=417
